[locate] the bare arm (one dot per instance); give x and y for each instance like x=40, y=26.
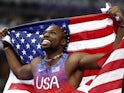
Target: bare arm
x=120, y=33
x=84, y=61
x=89, y=60
x=21, y=71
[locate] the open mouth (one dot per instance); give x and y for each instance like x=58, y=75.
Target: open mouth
x=45, y=42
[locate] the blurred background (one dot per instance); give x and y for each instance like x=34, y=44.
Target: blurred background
x=16, y=12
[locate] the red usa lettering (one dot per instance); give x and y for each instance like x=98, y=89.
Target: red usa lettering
x=46, y=82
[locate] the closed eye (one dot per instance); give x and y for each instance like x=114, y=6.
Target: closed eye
x=53, y=32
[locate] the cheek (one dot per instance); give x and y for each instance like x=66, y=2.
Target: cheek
x=56, y=42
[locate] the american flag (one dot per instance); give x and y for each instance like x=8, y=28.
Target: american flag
x=110, y=77
x=26, y=38
x=93, y=33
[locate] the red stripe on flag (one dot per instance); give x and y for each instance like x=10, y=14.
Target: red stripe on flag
x=107, y=87
x=113, y=66
x=20, y=86
x=87, y=35
x=86, y=18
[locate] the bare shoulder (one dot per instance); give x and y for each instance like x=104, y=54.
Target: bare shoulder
x=77, y=55
x=75, y=58
x=73, y=63
x=35, y=61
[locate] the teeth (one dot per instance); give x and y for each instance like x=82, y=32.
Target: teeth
x=45, y=41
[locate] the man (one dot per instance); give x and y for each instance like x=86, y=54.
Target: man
x=57, y=72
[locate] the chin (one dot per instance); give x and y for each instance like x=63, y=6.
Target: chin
x=45, y=48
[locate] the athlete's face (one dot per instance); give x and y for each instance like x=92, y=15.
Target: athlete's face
x=52, y=38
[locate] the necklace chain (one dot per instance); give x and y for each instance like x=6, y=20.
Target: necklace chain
x=50, y=59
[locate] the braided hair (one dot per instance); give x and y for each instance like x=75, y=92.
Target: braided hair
x=67, y=37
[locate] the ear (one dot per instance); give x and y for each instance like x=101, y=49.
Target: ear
x=63, y=42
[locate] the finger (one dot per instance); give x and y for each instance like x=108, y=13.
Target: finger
x=5, y=30
x=115, y=11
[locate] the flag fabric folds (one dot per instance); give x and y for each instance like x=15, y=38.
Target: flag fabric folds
x=110, y=77
x=93, y=33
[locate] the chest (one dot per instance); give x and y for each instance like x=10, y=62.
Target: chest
x=49, y=77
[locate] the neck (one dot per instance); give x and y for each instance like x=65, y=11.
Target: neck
x=46, y=59
x=51, y=53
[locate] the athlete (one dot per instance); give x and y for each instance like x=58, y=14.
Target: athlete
x=57, y=72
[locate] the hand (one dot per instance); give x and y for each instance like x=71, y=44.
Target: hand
x=115, y=11
x=3, y=32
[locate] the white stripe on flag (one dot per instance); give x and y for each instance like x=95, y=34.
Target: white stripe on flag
x=90, y=25
x=89, y=44
x=116, y=55
x=107, y=77
x=17, y=91
x=115, y=91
